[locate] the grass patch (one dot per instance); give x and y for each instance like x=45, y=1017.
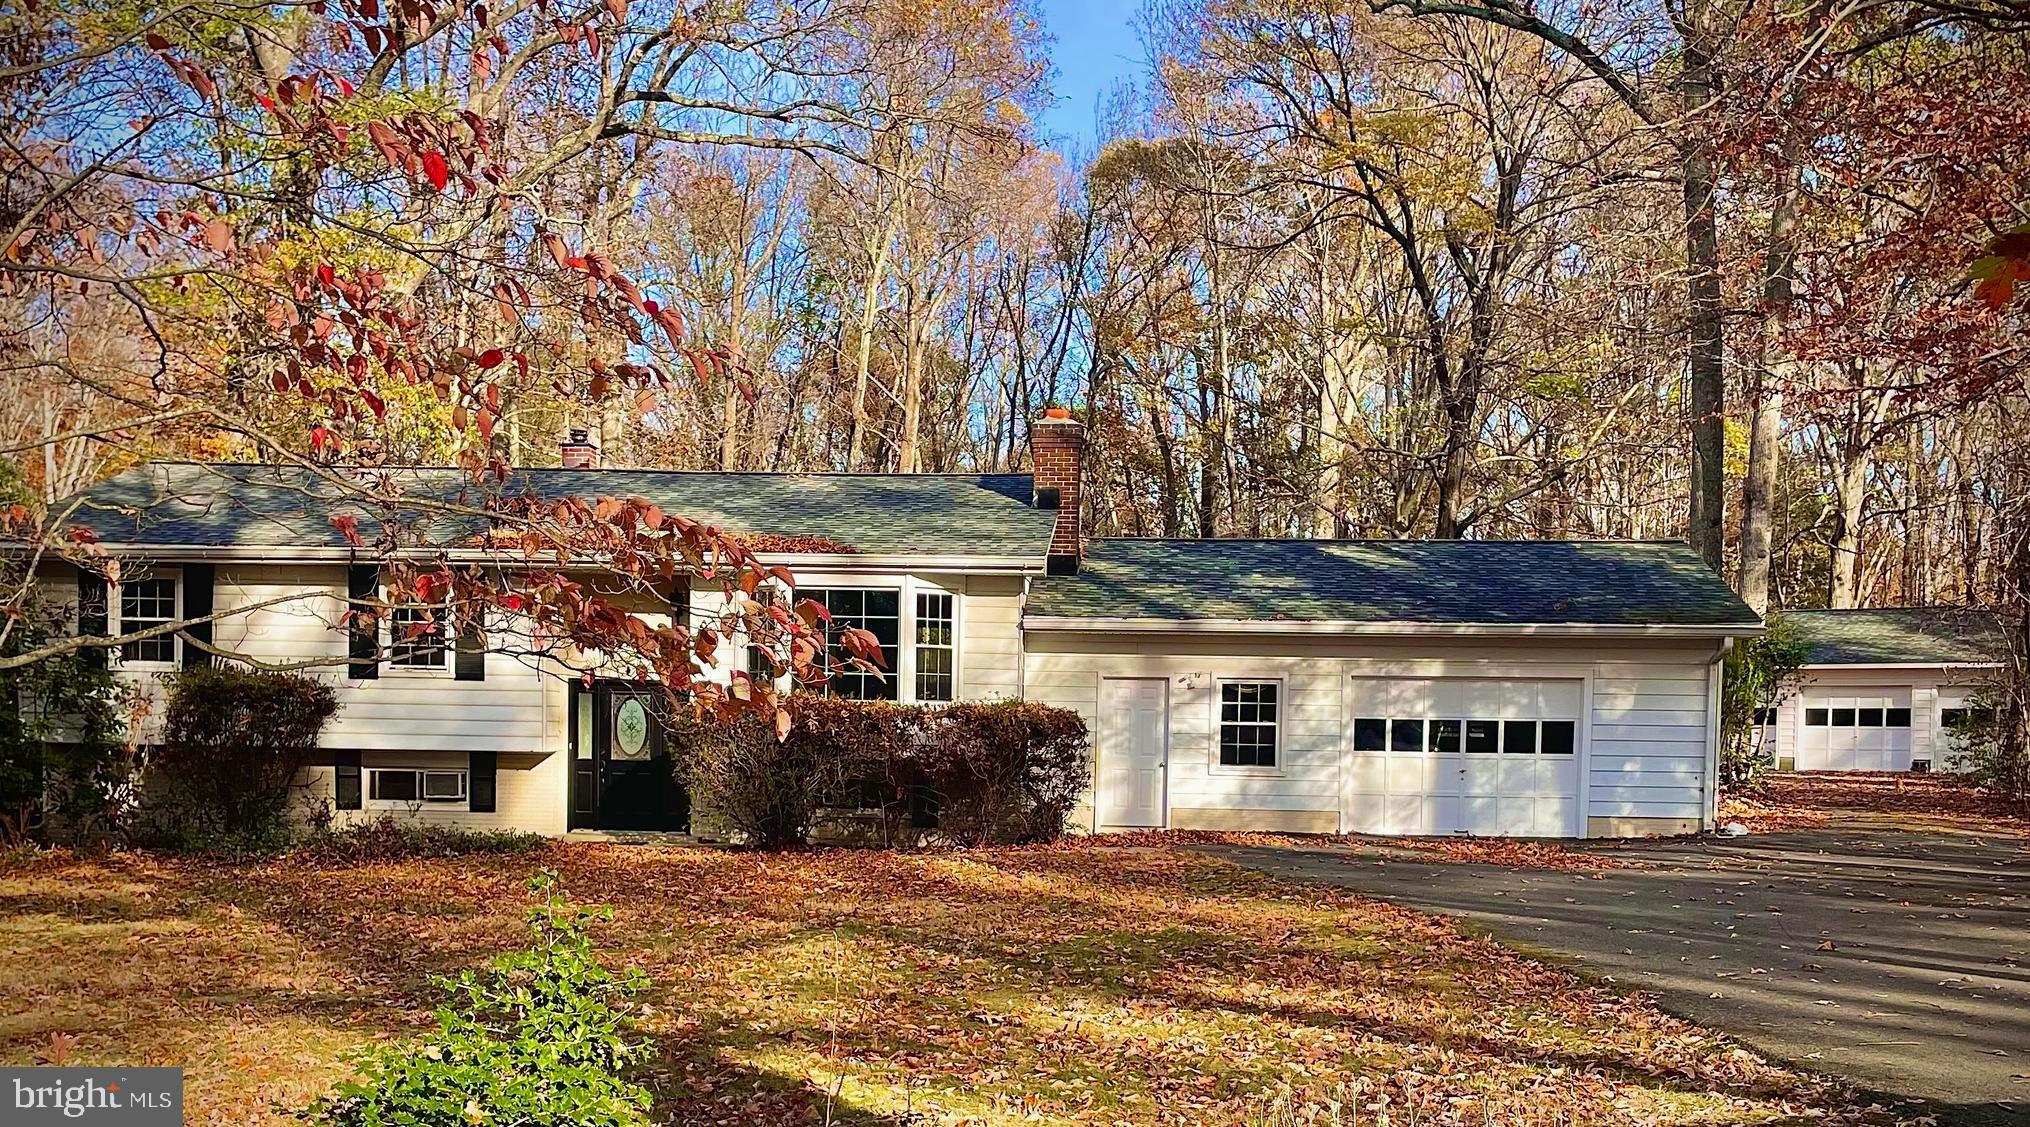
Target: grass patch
x=1075, y=985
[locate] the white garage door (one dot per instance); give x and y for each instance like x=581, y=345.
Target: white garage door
x=1855, y=730
x=1464, y=756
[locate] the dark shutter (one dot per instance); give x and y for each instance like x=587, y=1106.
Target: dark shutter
x=680, y=602
x=197, y=602
x=363, y=582
x=484, y=768
x=469, y=660
x=346, y=787
x=92, y=622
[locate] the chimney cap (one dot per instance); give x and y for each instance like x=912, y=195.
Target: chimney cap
x=580, y=436
x=1056, y=413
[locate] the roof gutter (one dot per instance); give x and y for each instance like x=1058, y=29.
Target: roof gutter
x=1349, y=626
x=1948, y=666
x=812, y=561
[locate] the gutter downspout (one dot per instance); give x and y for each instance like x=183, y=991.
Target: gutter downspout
x=1710, y=785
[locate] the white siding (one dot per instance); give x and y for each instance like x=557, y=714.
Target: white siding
x=399, y=710
x=990, y=635
x=1645, y=742
x=1648, y=751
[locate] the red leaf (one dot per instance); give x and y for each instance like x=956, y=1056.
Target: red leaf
x=435, y=168
x=348, y=527
x=218, y=236
x=491, y=358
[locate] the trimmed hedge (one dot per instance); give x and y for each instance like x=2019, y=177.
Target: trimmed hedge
x=963, y=774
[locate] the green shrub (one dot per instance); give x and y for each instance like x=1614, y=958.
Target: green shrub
x=64, y=762
x=386, y=839
x=1758, y=673
x=234, y=743
x=967, y=774
x=535, y=1040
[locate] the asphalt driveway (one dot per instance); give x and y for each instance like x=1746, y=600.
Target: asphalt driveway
x=1899, y=960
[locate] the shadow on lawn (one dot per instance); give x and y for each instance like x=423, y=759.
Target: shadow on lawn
x=1120, y=957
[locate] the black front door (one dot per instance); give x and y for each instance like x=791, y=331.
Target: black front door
x=634, y=785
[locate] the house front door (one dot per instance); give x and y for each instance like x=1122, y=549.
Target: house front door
x=634, y=784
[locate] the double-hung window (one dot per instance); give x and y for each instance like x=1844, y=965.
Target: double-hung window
x=936, y=647
x=877, y=610
x=1250, y=720
x=147, y=603
x=419, y=636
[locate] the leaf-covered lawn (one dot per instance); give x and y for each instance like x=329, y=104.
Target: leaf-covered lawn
x=1796, y=800
x=1082, y=984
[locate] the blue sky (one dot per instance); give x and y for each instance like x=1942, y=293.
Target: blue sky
x=1095, y=48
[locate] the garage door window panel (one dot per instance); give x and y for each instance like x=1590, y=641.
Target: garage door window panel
x=1445, y=736
x=1406, y=735
x=1370, y=733
x=1519, y=737
x=1560, y=737
x=1483, y=737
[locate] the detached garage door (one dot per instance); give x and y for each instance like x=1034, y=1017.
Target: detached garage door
x=1464, y=756
x=1855, y=730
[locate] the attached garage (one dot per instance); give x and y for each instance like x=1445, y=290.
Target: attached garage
x=1532, y=689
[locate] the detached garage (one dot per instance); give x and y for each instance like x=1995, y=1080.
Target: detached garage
x=1883, y=687
x=1529, y=689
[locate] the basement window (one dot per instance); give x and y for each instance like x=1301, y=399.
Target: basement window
x=406, y=786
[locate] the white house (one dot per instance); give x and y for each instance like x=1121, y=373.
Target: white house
x=1882, y=687
x=1555, y=689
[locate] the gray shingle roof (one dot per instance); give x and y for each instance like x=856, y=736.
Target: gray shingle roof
x=188, y=504
x=1386, y=581
x=1899, y=635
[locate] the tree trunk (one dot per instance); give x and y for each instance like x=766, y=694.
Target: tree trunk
x=1452, y=471
x=1765, y=432
x=914, y=331
x=1706, y=371
x=1852, y=484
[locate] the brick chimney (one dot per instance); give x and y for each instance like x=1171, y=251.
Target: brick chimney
x=1057, y=443
x=577, y=450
